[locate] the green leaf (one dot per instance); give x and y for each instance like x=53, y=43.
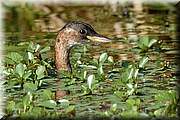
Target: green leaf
x=13, y=82
x=120, y=94
x=130, y=74
x=45, y=49
x=113, y=107
x=91, y=67
x=110, y=59
x=40, y=72
x=70, y=109
x=30, y=56
x=130, y=85
x=48, y=104
x=85, y=74
x=31, y=47
x=10, y=107
x=20, y=69
x=159, y=112
x=37, y=112
x=124, y=76
x=14, y=57
x=30, y=87
x=37, y=47
x=85, y=89
x=130, y=102
x=136, y=73
x=145, y=40
x=103, y=57
x=64, y=103
x=47, y=94
x=143, y=61
x=27, y=99
x=130, y=92
x=100, y=70
x=140, y=45
x=90, y=80
x=151, y=42
x=27, y=74
x=165, y=96
x=23, y=43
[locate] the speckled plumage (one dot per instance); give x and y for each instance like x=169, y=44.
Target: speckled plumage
x=72, y=33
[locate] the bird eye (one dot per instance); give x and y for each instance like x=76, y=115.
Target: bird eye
x=83, y=31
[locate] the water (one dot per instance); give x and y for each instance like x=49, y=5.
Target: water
x=124, y=26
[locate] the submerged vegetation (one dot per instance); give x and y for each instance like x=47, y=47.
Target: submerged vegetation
x=104, y=85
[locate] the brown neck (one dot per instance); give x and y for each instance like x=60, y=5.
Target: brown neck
x=62, y=55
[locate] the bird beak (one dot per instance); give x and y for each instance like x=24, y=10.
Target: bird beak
x=98, y=38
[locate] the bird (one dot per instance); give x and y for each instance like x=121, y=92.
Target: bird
x=73, y=33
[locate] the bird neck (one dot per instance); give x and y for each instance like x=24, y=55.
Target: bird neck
x=62, y=54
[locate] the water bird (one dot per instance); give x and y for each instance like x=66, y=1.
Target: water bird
x=73, y=33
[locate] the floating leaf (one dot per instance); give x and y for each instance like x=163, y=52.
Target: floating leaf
x=145, y=40
x=70, y=110
x=47, y=94
x=136, y=73
x=10, y=107
x=14, y=57
x=36, y=112
x=159, y=112
x=85, y=74
x=40, y=72
x=120, y=94
x=130, y=85
x=110, y=59
x=27, y=99
x=23, y=43
x=30, y=87
x=90, y=80
x=20, y=69
x=30, y=56
x=47, y=48
x=48, y=104
x=27, y=74
x=113, y=107
x=151, y=42
x=79, y=62
x=164, y=96
x=37, y=47
x=130, y=74
x=130, y=102
x=100, y=69
x=103, y=57
x=31, y=47
x=143, y=61
x=141, y=41
x=64, y=102
x=91, y=67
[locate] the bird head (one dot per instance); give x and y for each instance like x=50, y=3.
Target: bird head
x=76, y=32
